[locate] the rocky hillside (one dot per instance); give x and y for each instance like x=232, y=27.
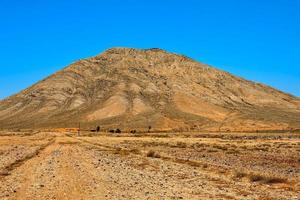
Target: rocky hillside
x=134, y=89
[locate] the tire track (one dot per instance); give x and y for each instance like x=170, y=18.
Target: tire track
x=17, y=163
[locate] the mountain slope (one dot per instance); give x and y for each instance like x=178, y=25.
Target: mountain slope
x=131, y=88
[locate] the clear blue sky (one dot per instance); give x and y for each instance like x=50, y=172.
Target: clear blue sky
x=255, y=39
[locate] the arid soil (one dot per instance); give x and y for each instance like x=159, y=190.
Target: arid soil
x=63, y=165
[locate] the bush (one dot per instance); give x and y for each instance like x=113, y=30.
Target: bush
x=255, y=177
x=118, y=131
x=239, y=174
x=271, y=180
x=149, y=128
x=153, y=154
x=267, y=179
x=261, y=178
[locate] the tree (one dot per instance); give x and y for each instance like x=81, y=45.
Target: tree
x=98, y=128
x=149, y=128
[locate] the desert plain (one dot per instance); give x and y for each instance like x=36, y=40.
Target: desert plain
x=189, y=165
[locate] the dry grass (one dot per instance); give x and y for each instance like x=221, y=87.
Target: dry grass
x=272, y=180
x=233, y=151
x=135, y=151
x=239, y=174
x=212, y=150
x=223, y=148
x=181, y=144
x=121, y=151
x=146, y=164
x=221, y=156
x=188, y=162
x=267, y=179
x=262, y=178
x=68, y=142
x=125, y=152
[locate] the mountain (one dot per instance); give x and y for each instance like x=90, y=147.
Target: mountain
x=134, y=89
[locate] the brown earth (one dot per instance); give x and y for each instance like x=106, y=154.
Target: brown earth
x=134, y=89
x=52, y=165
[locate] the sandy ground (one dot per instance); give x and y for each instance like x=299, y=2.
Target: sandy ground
x=187, y=166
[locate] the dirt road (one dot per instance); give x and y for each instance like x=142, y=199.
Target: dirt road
x=60, y=166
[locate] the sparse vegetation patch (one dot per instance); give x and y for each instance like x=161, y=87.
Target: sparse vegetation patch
x=153, y=154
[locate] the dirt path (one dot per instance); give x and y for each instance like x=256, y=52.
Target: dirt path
x=71, y=168
x=55, y=173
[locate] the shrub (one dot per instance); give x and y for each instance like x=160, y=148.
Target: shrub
x=262, y=178
x=255, y=177
x=239, y=174
x=204, y=166
x=118, y=130
x=271, y=180
x=268, y=179
x=153, y=154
